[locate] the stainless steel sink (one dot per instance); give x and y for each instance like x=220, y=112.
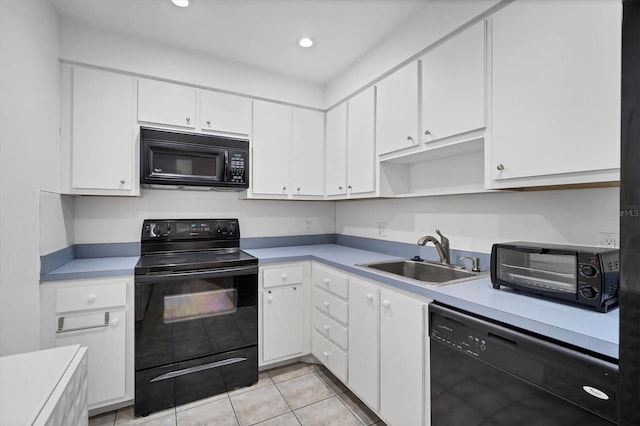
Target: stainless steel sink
x=428, y=273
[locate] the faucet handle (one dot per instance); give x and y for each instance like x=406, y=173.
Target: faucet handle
x=474, y=263
x=444, y=240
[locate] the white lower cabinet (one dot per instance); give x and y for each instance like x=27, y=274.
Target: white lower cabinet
x=97, y=314
x=284, y=329
x=283, y=313
x=364, y=302
x=401, y=359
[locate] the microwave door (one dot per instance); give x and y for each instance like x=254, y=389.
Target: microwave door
x=179, y=165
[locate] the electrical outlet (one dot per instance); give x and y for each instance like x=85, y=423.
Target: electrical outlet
x=382, y=229
x=307, y=225
x=608, y=239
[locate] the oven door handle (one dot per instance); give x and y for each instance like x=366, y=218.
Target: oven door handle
x=210, y=273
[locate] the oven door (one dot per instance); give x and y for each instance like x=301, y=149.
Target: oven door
x=196, y=335
x=182, y=316
x=171, y=163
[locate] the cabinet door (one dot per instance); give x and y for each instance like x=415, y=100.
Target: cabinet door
x=282, y=322
x=397, y=110
x=453, y=85
x=336, y=151
x=223, y=113
x=166, y=103
x=106, y=351
x=363, y=341
x=102, y=132
x=361, y=151
x=556, y=88
x=401, y=338
x=271, y=148
x=308, y=152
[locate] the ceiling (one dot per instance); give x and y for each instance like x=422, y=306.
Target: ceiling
x=258, y=33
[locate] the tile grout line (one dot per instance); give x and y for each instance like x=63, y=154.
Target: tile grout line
x=234, y=408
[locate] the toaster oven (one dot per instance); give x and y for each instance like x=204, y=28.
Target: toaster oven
x=588, y=276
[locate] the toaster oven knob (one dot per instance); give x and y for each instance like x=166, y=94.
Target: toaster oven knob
x=589, y=292
x=588, y=270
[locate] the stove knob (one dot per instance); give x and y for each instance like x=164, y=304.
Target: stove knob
x=155, y=231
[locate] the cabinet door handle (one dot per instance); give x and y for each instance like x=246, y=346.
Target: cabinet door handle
x=427, y=132
x=91, y=298
x=326, y=354
x=326, y=305
x=326, y=327
x=386, y=304
x=349, y=187
x=339, y=188
x=284, y=188
x=327, y=281
x=369, y=296
x=122, y=181
x=409, y=138
x=269, y=299
x=284, y=277
x=188, y=120
x=298, y=189
x=209, y=123
x=114, y=322
x=500, y=167
x=105, y=324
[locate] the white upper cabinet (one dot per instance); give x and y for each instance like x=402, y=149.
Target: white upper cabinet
x=361, y=149
x=271, y=148
x=307, y=152
x=98, y=133
x=166, y=103
x=397, y=110
x=336, y=151
x=556, y=93
x=453, y=85
x=224, y=113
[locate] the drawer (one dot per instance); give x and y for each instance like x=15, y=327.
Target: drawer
x=331, y=305
x=282, y=276
x=100, y=296
x=331, y=281
x=330, y=329
x=330, y=355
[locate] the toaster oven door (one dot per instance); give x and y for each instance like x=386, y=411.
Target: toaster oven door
x=544, y=272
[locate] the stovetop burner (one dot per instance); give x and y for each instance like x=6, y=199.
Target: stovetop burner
x=188, y=244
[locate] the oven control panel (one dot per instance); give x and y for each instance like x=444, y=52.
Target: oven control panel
x=190, y=229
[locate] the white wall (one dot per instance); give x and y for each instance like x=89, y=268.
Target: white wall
x=428, y=25
x=474, y=222
x=91, y=46
x=29, y=160
x=119, y=219
x=56, y=222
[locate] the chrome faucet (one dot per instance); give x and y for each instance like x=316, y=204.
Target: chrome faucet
x=442, y=246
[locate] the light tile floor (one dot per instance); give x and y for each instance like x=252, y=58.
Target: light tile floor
x=296, y=394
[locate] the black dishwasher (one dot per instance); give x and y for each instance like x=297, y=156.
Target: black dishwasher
x=486, y=373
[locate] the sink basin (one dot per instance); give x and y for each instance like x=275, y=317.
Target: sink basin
x=428, y=273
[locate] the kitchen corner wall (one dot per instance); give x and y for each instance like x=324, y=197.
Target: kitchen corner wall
x=119, y=219
x=474, y=222
x=29, y=160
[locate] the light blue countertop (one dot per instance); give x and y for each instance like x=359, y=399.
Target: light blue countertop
x=582, y=327
x=92, y=268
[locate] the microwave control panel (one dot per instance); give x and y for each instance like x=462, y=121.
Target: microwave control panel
x=237, y=167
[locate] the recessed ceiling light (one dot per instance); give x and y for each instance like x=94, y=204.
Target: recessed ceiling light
x=305, y=42
x=181, y=3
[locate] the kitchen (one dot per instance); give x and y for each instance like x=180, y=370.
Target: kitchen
x=50, y=222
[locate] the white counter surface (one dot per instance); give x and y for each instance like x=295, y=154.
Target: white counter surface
x=27, y=380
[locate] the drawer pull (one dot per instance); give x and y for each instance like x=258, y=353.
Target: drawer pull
x=327, y=281
x=269, y=299
x=91, y=298
x=326, y=305
x=284, y=277
x=326, y=354
x=369, y=296
x=115, y=322
x=326, y=327
x=386, y=304
x=106, y=324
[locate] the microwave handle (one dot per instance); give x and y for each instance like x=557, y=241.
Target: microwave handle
x=529, y=249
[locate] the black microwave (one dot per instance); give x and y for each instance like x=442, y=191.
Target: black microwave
x=588, y=276
x=182, y=159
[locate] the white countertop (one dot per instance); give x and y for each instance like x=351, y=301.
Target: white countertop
x=27, y=380
x=578, y=326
